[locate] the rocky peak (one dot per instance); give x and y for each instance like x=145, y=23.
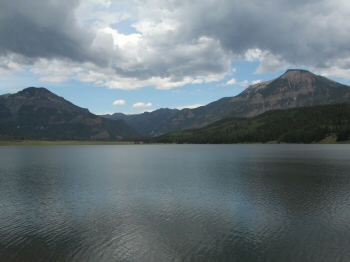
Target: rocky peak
x=39, y=98
x=297, y=76
x=297, y=72
x=295, y=88
x=34, y=91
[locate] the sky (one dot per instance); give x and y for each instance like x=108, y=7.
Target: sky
x=135, y=56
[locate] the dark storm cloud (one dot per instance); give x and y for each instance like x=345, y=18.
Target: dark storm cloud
x=312, y=33
x=45, y=29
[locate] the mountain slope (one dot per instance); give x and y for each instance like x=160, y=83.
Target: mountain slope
x=295, y=88
x=38, y=113
x=293, y=125
x=146, y=123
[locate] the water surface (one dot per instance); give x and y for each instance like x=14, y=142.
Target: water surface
x=175, y=203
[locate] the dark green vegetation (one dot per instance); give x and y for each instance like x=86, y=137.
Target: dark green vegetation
x=295, y=88
x=298, y=125
x=36, y=113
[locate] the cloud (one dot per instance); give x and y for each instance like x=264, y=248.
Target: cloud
x=173, y=43
x=254, y=54
x=297, y=32
x=233, y=81
x=335, y=71
x=46, y=29
x=244, y=83
x=9, y=65
x=271, y=63
x=189, y=106
x=141, y=105
x=254, y=82
x=119, y=102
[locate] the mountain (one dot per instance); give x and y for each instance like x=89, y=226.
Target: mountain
x=294, y=125
x=146, y=123
x=166, y=120
x=37, y=113
x=296, y=88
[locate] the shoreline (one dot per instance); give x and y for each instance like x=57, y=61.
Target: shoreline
x=77, y=143
x=63, y=143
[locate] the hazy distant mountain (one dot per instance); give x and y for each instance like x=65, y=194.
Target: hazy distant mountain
x=40, y=114
x=147, y=123
x=295, y=88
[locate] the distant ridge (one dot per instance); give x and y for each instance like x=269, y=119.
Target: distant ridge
x=146, y=123
x=37, y=113
x=295, y=88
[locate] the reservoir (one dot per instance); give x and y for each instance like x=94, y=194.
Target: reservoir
x=175, y=203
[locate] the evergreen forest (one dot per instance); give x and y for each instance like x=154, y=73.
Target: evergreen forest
x=297, y=125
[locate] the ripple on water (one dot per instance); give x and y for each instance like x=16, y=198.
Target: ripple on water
x=194, y=203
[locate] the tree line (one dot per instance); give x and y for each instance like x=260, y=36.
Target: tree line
x=297, y=125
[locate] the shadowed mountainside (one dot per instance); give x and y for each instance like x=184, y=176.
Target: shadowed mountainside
x=36, y=113
x=293, y=125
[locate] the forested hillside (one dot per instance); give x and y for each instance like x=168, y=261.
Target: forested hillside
x=298, y=125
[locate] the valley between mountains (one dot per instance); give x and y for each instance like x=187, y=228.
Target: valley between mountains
x=297, y=107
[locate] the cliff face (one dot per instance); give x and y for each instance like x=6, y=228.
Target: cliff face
x=40, y=114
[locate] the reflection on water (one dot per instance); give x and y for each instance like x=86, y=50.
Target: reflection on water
x=175, y=203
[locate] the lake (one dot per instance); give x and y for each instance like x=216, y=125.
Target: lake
x=175, y=203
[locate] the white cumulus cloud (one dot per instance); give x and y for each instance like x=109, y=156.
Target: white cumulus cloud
x=119, y=102
x=244, y=83
x=141, y=105
x=233, y=81
x=189, y=106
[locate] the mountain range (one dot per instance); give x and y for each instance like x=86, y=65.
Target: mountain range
x=295, y=88
x=37, y=113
